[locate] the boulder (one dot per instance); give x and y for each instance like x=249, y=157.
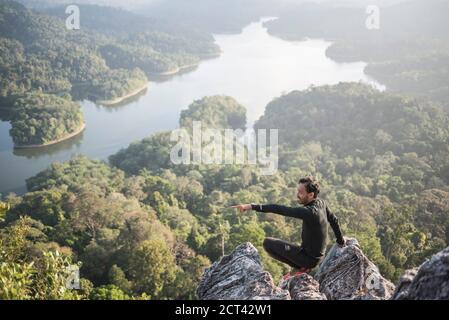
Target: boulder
x=346, y=273
x=239, y=275
x=430, y=282
x=303, y=287
x=403, y=286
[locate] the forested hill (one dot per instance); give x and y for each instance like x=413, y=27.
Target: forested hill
x=107, y=20
x=368, y=135
x=143, y=32
x=413, y=19
x=145, y=228
x=40, y=57
x=40, y=54
x=78, y=56
x=121, y=23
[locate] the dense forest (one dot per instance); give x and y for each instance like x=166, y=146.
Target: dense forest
x=40, y=56
x=140, y=42
x=141, y=227
x=39, y=118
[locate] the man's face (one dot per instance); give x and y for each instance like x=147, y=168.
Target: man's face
x=304, y=197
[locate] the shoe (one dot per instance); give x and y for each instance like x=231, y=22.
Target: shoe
x=286, y=277
x=301, y=271
x=283, y=283
x=297, y=274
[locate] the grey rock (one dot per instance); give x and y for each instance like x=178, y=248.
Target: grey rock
x=303, y=287
x=239, y=275
x=431, y=282
x=403, y=286
x=346, y=273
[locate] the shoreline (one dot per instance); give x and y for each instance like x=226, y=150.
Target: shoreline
x=71, y=135
x=120, y=99
x=174, y=71
x=187, y=66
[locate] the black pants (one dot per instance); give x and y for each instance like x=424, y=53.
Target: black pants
x=289, y=253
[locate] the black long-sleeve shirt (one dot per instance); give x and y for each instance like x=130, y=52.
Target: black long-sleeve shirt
x=315, y=216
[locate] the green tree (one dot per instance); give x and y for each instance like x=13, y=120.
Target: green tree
x=118, y=278
x=152, y=269
x=109, y=292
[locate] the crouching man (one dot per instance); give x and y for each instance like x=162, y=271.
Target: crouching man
x=315, y=215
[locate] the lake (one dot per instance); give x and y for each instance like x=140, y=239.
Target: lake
x=254, y=68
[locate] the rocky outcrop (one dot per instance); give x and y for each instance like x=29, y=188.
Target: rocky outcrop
x=346, y=273
x=239, y=276
x=303, y=287
x=431, y=281
x=403, y=286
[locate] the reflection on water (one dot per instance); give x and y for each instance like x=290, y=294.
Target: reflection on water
x=254, y=68
x=6, y=143
x=66, y=145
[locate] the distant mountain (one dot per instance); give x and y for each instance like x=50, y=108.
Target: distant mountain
x=119, y=22
x=409, y=52
x=39, y=4
x=406, y=20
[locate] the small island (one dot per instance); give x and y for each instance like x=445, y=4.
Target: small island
x=49, y=143
x=40, y=119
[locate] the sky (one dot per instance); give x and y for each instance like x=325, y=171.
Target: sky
x=132, y=4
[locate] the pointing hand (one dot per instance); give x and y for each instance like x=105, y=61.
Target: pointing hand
x=243, y=207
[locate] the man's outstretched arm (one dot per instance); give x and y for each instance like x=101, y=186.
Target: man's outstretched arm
x=294, y=212
x=333, y=221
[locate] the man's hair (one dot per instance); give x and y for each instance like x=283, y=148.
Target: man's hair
x=311, y=185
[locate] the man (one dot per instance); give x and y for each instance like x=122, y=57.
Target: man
x=315, y=215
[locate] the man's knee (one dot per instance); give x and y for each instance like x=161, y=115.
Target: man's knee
x=268, y=243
